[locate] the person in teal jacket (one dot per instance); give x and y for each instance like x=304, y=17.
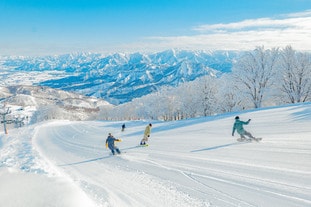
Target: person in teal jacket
x=238, y=126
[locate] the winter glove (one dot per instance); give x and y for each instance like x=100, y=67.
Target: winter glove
x=249, y=120
x=106, y=145
x=118, y=140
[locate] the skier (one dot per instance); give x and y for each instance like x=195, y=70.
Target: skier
x=110, y=144
x=123, y=127
x=146, y=135
x=238, y=126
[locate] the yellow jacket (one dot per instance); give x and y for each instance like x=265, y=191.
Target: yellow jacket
x=147, y=130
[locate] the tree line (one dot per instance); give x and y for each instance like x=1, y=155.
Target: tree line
x=259, y=78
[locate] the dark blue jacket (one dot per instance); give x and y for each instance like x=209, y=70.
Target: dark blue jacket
x=110, y=141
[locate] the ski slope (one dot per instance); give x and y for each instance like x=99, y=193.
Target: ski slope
x=193, y=162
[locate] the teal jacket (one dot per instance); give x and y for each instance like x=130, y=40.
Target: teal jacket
x=238, y=126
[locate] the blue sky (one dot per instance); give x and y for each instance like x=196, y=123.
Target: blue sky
x=51, y=27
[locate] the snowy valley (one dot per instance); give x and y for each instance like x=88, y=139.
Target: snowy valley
x=39, y=103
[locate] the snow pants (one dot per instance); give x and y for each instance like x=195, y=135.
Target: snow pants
x=115, y=149
x=145, y=139
x=247, y=134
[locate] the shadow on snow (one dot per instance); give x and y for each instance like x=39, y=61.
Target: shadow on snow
x=128, y=148
x=95, y=159
x=219, y=146
x=85, y=161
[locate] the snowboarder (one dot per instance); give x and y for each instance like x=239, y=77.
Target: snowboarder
x=238, y=126
x=146, y=135
x=110, y=144
x=123, y=127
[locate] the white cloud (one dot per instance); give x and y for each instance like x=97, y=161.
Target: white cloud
x=292, y=29
x=244, y=25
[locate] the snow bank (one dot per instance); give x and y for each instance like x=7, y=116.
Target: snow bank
x=28, y=189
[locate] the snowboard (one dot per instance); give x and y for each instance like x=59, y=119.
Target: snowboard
x=116, y=154
x=143, y=145
x=249, y=140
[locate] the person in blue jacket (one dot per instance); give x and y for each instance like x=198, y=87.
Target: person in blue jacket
x=238, y=126
x=110, y=144
x=123, y=127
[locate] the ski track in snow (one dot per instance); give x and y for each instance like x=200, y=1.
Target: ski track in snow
x=196, y=164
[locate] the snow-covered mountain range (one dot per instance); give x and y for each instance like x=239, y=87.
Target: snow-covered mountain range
x=117, y=78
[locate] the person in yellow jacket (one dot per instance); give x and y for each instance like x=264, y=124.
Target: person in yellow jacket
x=110, y=144
x=146, y=135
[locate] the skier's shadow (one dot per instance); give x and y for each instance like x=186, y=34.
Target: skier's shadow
x=94, y=159
x=219, y=146
x=85, y=161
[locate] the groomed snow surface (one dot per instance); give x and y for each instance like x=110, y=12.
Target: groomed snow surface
x=193, y=162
